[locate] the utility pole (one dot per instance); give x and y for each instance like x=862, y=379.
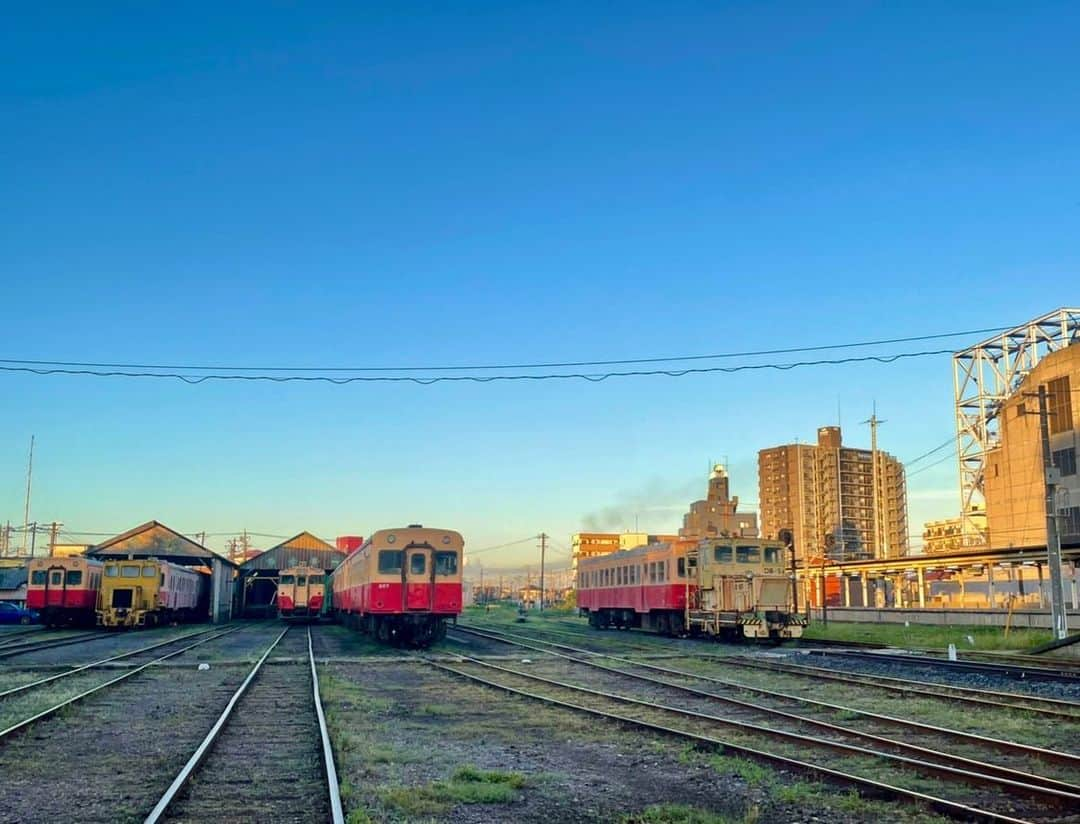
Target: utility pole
x=1058, y=617
x=33, y=538
x=881, y=530
x=543, y=551
x=482, y=598
x=53, y=530
x=29, y=480
x=500, y=595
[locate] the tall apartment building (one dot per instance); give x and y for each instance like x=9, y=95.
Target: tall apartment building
x=718, y=514
x=826, y=495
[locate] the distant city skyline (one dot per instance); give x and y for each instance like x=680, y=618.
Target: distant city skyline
x=245, y=185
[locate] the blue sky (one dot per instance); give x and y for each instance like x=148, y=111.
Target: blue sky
x=319, y=184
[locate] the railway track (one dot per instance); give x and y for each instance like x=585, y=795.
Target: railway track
x=13, y=635
x=238, y=780
x=833, y=736
x=21, y=647
x=872, y=787
x=40, y=715
x=973, y=696
x=1053, y=707
x=69, y=673
x=1006, y=670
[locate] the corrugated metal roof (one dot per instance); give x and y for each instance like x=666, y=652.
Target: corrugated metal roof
x=302, y=549
x=154, y=540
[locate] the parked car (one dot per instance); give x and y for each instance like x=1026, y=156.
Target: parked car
x=11, y=613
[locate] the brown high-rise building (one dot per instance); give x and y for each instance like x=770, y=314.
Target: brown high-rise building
x=718, y=514
x=798, y=491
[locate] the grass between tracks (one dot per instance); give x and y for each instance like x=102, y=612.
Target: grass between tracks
x=930, y=637
x=415, y=744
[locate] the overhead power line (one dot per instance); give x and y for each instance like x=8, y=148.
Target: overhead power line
x=471, y=552
x=950, y=442
x=487, y=367
x=429, y=380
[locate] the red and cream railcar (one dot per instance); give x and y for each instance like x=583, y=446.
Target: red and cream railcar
x=719, y=587
x=402, y=585
x=63, y=590
x=300, y=592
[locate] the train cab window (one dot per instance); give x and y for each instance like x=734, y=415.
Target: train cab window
x=74, y=577
x=722, y=554
x=772, y=555
x=110, y=572
x=149, y=571
x=681, y=568
x=287, y=580
x=56, y=578
x=390, y=560
x=417, y=563
x=163, y=580
x=129, y=571
x=446, y=563
x=315, y=580
x=38, y=578
x=747, y=554
x=301, y=580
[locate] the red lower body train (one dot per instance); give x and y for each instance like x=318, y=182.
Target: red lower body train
x=64, y=590
x=402, y=586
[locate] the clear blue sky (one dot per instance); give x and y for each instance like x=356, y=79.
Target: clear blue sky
x=392, y=184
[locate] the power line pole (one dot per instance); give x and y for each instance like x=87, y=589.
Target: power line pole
x=543, y=551
x=881, y=530
x=33, y=538
x=29, y=480
x=1058, y=618
x=53, y=530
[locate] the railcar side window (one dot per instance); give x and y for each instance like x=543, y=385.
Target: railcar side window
x=681, y=567
x=772, y=555
x=446, y=563
x=722, y=554
x=74, y=577
x=390, y=560
x=287, y=580
x=38, y=578
x=747, y=554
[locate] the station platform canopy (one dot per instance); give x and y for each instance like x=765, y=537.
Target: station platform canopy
x=155, y=540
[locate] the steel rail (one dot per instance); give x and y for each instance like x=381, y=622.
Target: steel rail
x=962, y=762
x=68, y=673
x=1039, y=704
x=1070, y=795
x=877, y=788
x=1031, y=703
x=7, y=638
x=1003, y=670
x=1026, y=749
x=337, y=814
x=19, y=649
x=204, y=748
x=69, y=701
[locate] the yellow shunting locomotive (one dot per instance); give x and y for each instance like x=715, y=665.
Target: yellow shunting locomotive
x=147, y=592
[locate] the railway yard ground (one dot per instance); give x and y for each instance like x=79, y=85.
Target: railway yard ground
x=541, y=720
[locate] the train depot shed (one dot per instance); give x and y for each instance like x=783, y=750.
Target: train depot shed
x=257, y=583
x=155, y=540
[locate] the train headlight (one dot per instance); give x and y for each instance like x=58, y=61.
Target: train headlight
x=446, y=539
x=391, y=538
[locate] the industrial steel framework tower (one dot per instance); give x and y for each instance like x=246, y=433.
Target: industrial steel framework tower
x=984, y=376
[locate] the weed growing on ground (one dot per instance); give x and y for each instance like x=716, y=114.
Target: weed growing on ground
x=749, y=771
x=684, y=814
x=468, y=785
